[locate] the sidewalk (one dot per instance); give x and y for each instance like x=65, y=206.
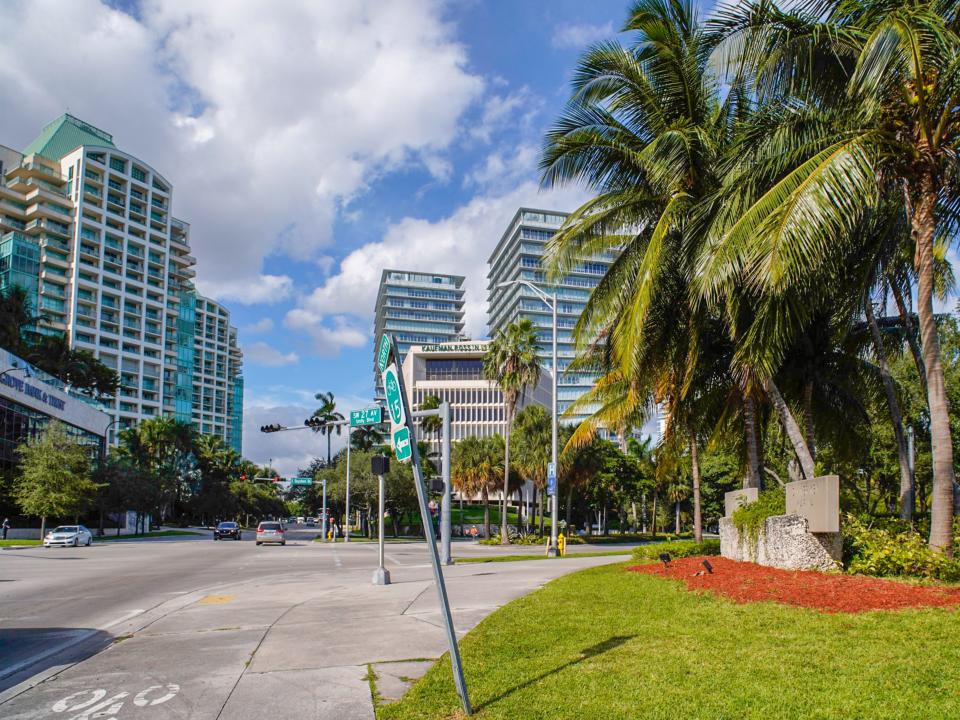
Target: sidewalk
x=281, y=647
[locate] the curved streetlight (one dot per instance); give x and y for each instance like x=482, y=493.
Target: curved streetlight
x=551, y=302
x=25, y=368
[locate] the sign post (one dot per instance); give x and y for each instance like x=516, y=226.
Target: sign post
x=380, y=466
x=393, y=385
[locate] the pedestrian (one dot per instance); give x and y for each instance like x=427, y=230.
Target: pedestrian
x=6, y=527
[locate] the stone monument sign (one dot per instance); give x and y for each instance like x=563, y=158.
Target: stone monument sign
x=818, y=501
x=735, y=498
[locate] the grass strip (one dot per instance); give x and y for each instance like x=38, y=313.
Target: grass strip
x=158, y=533
x=518, y=558
x=606, y=644
x=14, y=543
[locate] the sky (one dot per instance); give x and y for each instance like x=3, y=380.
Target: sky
x=310, y=145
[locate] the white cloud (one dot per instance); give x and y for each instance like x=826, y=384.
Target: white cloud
x=327, y=339
x=515, y=110
x=458, y=244
x=261, y=353
x=266, y=117
x=260, y=289
x=576, y=37
x=504, y=169
x=262, y=325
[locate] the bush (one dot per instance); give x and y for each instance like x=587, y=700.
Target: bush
x=677, y=549
x=749, y=518
x=892, y=551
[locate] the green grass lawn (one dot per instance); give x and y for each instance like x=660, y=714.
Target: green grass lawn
x=158, y=533
x=12, y=543
x=608, y=644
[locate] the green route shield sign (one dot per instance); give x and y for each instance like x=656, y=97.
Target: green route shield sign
x=383, y=353
x=301, y=481
x=367, y=416
x=401, y=444
x=391, y=387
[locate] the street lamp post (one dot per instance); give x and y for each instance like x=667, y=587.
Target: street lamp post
x=550, y=302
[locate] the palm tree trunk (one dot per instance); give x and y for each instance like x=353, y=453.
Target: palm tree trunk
x=486, y=513
x=906, y=477
x=504, y=535
x=791, y=428
x=569, y=502
x=907, y=323
x=754, y=478
x=643, y=512
x=695, y=467
x=924, y=225
x=808, y=417
x=676, y=524
x=654, y=513
x=540, y=499
x=328, y=448
x=633, y=515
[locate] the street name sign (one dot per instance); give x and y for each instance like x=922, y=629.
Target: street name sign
x=301, y=481
x=367, y=416
x=391, y=387
x=383, y=353
x=401, y=444
x=551, y=479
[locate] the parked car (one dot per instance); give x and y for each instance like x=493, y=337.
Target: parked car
x=311, y=522
x=300, y=520
x=226, y=530
x=68, y=535
x=270, y=532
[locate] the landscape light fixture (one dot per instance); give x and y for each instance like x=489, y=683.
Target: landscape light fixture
x=665, y=559
x=709, y=568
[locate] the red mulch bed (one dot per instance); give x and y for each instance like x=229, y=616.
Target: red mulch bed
x=745, y=582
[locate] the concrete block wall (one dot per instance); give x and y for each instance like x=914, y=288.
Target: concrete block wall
x=785, y=543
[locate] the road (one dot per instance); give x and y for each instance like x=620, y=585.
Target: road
x=61, y=608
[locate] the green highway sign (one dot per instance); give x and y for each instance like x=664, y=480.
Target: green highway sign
x=383, y=353
x=301, y=481
x=367, y=416
x=391, y=387
x=401, y=444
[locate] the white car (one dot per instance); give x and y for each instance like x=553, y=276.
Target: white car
x=68, y=535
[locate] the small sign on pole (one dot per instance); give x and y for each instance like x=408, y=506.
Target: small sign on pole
x=551, y=479
x=301, y=481
x=391, y=387
x=401, y=444
x=367, y=416
x=383, y=353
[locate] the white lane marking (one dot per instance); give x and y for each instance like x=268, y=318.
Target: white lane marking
x=60, y=647
x=336, y=559
x=141, y=699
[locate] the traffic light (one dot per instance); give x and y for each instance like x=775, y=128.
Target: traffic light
x=271, y=428
x=276, y=478
x=314, y=422
x=243, y=478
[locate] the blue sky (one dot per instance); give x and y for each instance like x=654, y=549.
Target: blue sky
x=310, y=145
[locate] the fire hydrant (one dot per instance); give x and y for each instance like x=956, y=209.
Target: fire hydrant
x=562, y=545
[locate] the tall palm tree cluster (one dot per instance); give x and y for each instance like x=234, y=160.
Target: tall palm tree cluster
x=767, y=177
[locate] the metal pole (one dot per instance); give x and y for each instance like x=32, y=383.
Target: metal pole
x=346, y=530
x=381, y=576
x=445, y=471
x=553, y=439
x=458, y=679
x=323, y=524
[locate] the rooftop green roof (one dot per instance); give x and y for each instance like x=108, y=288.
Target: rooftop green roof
x=64, y=134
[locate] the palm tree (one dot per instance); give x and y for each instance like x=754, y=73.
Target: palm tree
x=531, y=439
x=17, y=319
x=327, y=412
x=513, y=363
x=860, y=103
x=477, y=467
x=366, y=437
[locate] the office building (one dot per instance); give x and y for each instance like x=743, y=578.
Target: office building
x=453, y=372
x=88, y=229
x=417, y=308
x=518, y=256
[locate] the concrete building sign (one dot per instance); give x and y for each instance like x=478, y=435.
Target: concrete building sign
x=818, y=501
x=735, y=498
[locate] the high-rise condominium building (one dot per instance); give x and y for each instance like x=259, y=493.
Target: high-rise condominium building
x=518, y=256
x=418, y=309
x=87, y=229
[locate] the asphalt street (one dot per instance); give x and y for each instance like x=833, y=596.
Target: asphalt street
x=62, y=608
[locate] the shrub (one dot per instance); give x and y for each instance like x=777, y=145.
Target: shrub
x=677, y=549
x=749, y=518
x=893, y=552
